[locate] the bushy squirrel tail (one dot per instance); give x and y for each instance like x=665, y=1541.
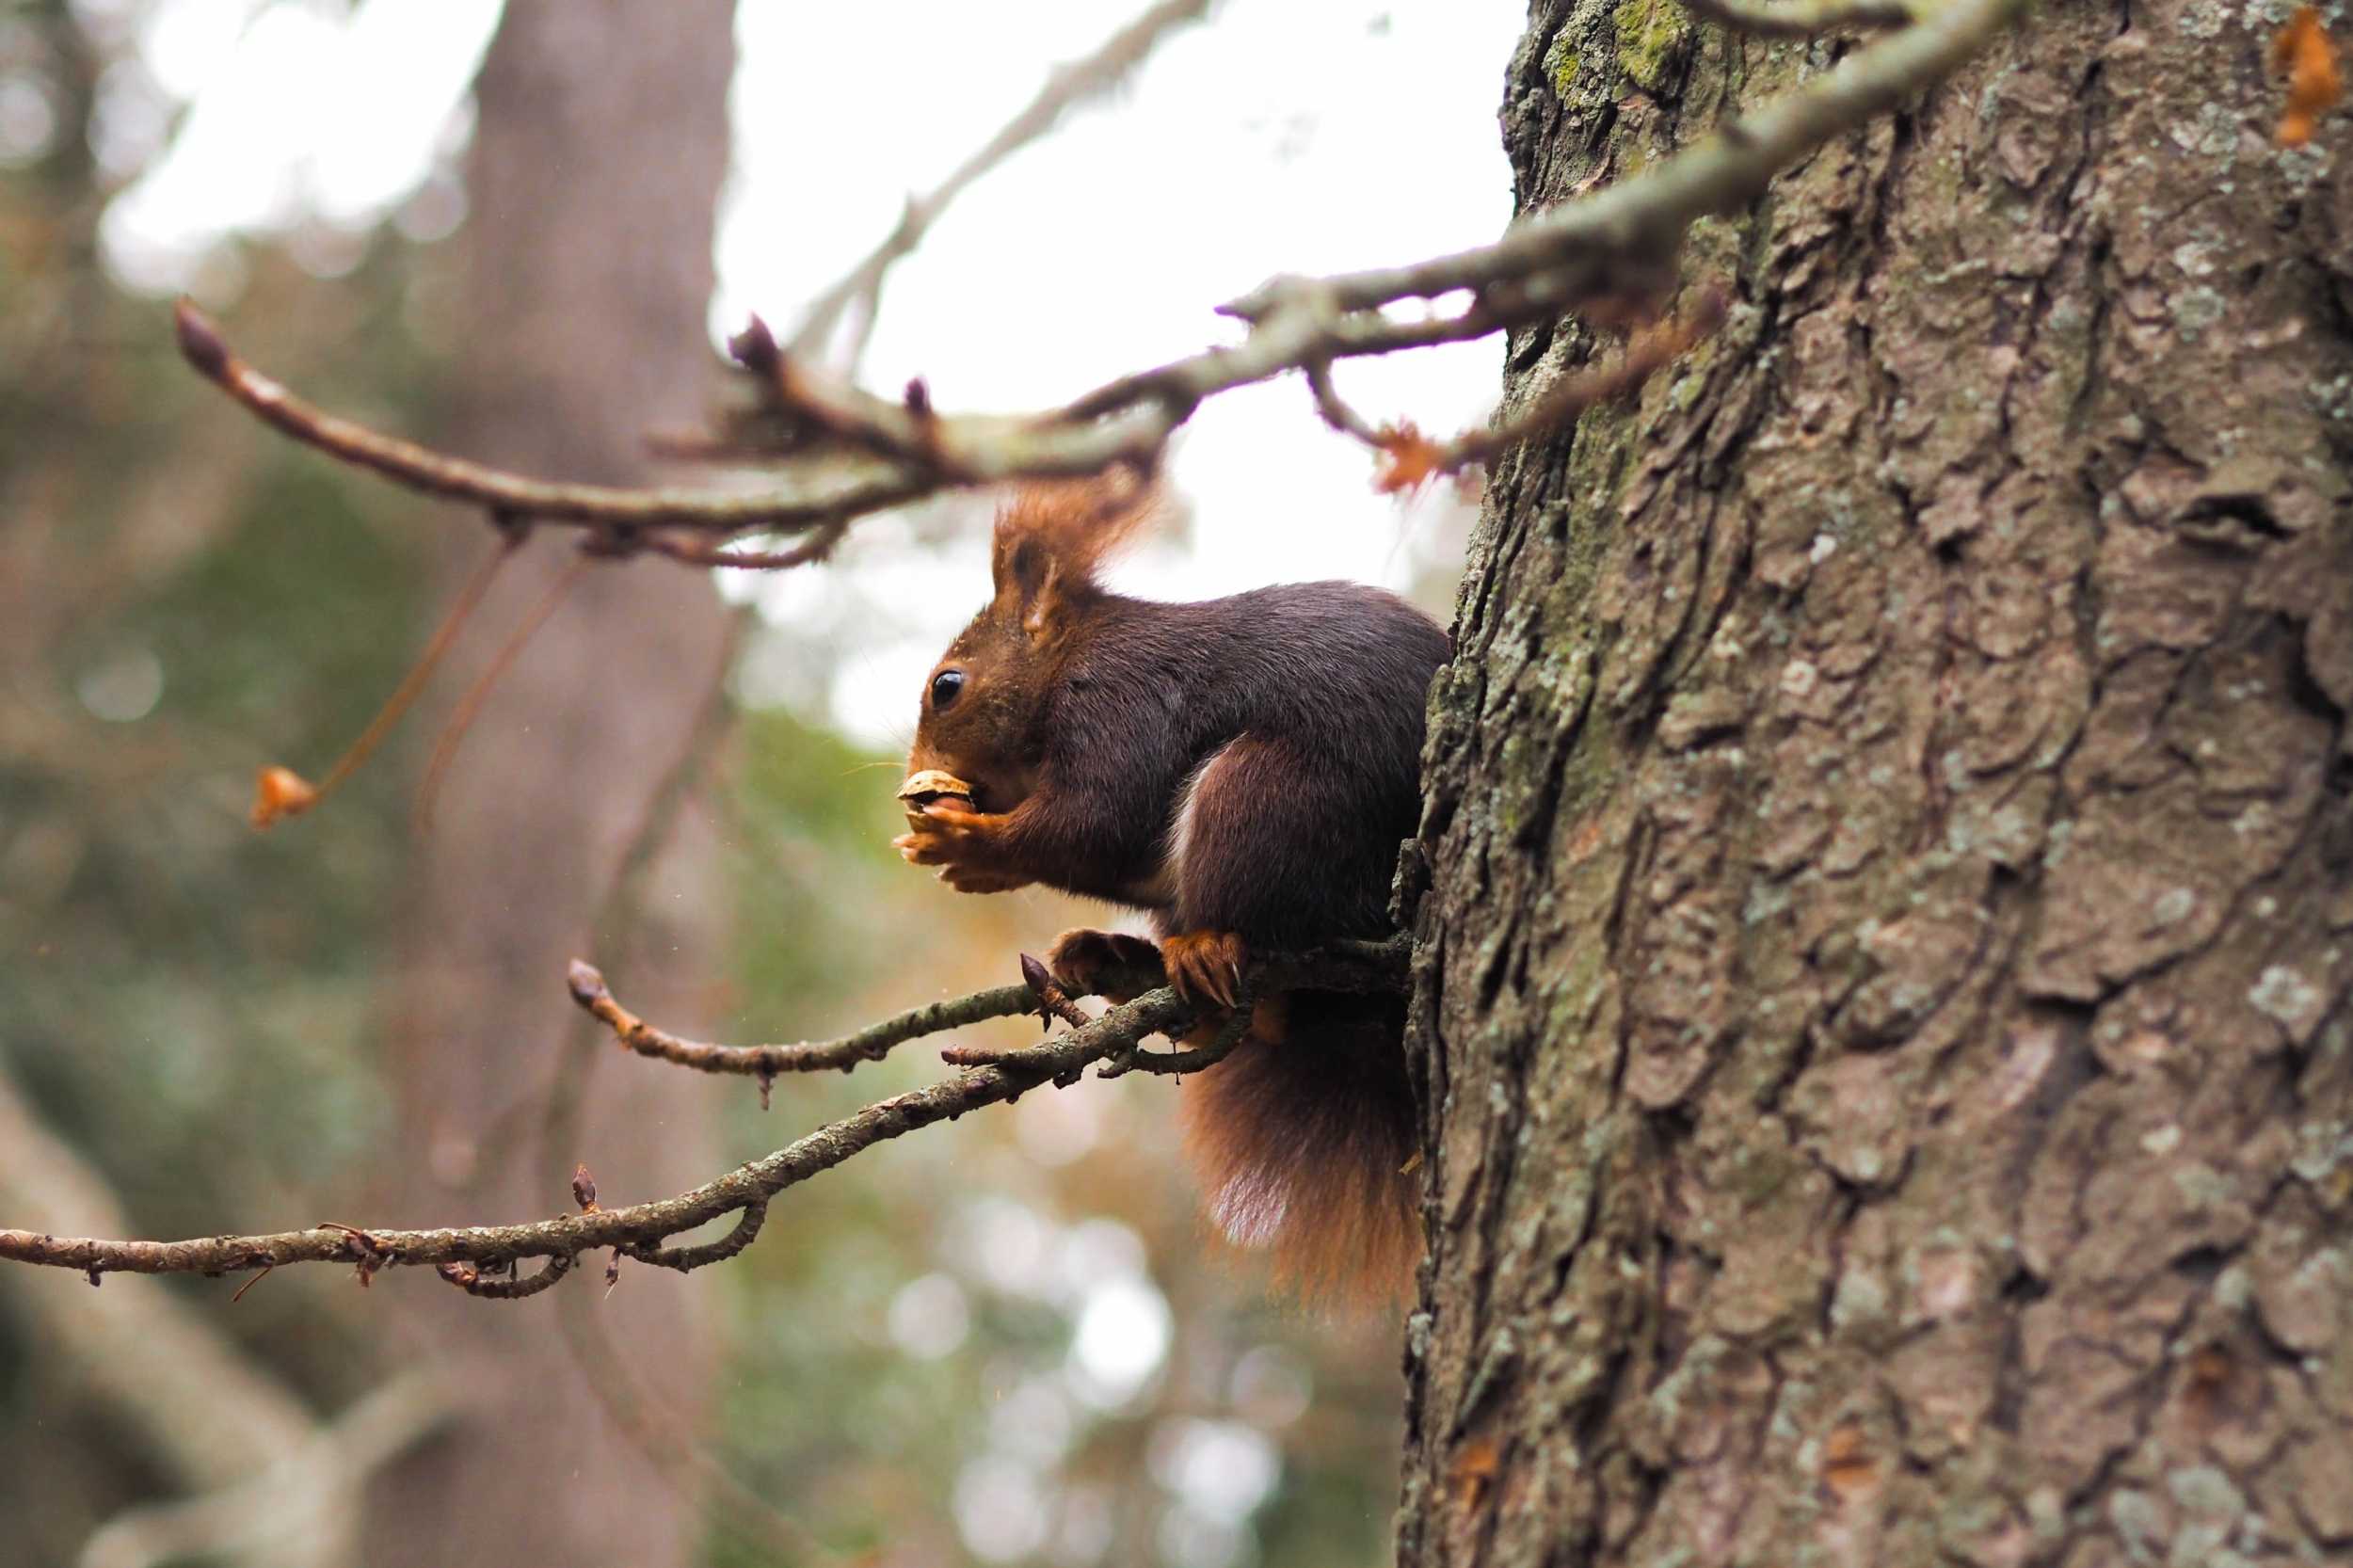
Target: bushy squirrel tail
x=1301, y=1140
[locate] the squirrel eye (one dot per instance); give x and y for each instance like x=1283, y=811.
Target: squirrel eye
x=945, y=686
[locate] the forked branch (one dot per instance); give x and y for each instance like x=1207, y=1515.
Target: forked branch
x=481, y=1259
x=834, y=452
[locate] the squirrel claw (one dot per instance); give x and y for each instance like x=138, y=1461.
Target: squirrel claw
x=1206, y=966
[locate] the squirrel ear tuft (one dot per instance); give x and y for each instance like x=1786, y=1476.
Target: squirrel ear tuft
x=1023, y=566
x=1053, y=534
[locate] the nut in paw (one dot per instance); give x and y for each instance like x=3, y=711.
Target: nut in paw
x=922, y=789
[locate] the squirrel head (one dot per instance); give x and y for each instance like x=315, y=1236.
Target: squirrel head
x=985, y=702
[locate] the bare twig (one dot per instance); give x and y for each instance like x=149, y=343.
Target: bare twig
x=1802, y=18
x=1052, y=1000
x=808, y=410
x=469, y=1278
x=818, y=493
x=1646, y=353
x=184, y=1395
x=469, y=707
x=871, y=1044
x=1177, y=1063
x=687, y=1259
x=282, y=792
x=840, y=453
x=637, y=1229
x=1335, y=410
x=1067, y=86
x=698, y=552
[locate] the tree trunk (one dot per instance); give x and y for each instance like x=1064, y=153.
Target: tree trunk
x=601, y=142
x=1883, y=1002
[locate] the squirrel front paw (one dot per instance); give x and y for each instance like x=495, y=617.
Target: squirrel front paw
x=1206, y=966
x=958, y=843
x=1105, y=963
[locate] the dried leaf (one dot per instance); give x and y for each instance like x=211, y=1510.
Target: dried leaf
x=1409, y=459
x=282, y=793
x=1473, y=1471
x=2305, y=54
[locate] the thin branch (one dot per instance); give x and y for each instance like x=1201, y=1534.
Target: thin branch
x=469, y=1278
x=1647, y=354
x=687, y=1259
x=871, y=1044
x=1335, y=410
x=280, y=792
x=1569, y=253
x=469, y=707
x=816, y=491
x=805, y=409
x=1052, y=1000
x=183, y=1392
x=1065, y=88
x=1801, y=18
x=842, y=452
x=641, y=1227
x=698, y=552
x=1177, y=1063
x=1413, y=459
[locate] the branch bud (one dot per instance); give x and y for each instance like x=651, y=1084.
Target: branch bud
x=200, y=342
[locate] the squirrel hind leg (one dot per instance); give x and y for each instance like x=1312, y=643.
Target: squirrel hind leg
x=1206, y=966
x=1283, y=847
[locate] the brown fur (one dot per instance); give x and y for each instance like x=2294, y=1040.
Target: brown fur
x=1301, y=1144
x=1242, y=768
x=1052, y=538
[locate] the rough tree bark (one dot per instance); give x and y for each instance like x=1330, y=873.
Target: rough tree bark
x=1884, y=994
x=601, y=146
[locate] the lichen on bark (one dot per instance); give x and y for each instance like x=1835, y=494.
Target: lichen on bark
x=1883, y=994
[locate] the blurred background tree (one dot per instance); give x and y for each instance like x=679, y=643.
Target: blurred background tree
x=584, y=273
x=1004, y=1342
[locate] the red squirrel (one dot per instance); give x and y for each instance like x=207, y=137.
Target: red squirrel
x=1243, y=770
